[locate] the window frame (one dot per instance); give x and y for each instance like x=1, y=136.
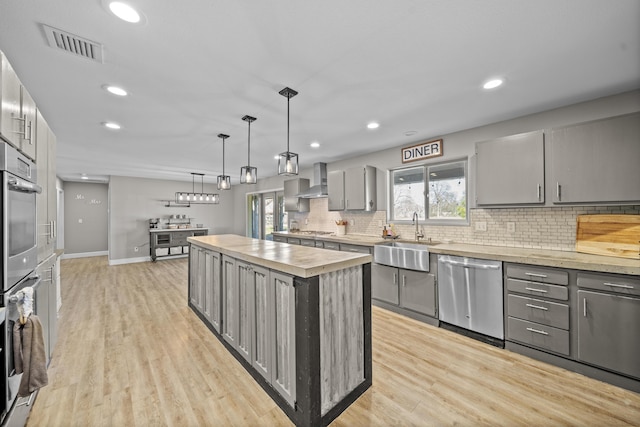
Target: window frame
x=426, y=182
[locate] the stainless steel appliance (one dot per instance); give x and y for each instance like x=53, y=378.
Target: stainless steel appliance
x=19, y=225
x=470, y=297
x=11, y=380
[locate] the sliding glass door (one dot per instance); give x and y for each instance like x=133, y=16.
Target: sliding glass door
x=266, y=214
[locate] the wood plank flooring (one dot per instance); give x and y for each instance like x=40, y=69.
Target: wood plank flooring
x=131, y=353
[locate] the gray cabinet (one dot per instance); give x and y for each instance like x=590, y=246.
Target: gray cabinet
x=335, y=188
x=291, y=202
x=46, y=303
x=608, y=331
x=347, y=247
x=510, y=170
x=360, y=188
x=17, y=111
x=537, y=311
x=408, y=289
x=244, y=308
x=47, y=200
x=596, y=161
x=171, y=242
x=609, y=322
x=281, y=239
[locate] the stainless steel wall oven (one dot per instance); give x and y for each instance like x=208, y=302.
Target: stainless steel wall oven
x=19, y=224
x=18, y=258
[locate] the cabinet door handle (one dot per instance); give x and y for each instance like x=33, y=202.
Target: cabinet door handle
x=558, y=191
x=395, y=278
x=404, y=280
x=537, y=331
x=539, y=307
x=542, y=276
x=536, y=290
x=615, y=285
x=584, y=307
x=539, y=191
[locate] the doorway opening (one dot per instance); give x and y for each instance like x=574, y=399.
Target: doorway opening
x=266, y=214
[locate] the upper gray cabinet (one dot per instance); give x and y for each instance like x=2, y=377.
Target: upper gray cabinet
x=596, y=161
x=360, y=188
x=292, y=203
x=17, y=111
x=510, y=170
x=335, y=188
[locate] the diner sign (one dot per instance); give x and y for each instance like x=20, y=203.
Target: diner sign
x=424, y=150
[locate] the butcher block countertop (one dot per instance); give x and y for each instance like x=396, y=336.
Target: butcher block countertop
x=296, y=260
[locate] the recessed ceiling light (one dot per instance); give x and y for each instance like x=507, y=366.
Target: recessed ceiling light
x=115, y=90
x=492, y=84
x=111, y=125
x=124, y=12
x=373, y=125
x=314, y=144
x=84, y=176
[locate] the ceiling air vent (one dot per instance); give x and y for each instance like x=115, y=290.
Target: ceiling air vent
x=73, y=44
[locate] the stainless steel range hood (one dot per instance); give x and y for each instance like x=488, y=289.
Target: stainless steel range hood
x=319, y=188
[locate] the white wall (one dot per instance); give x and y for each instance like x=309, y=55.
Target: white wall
x=134, y=200
x=85, y=218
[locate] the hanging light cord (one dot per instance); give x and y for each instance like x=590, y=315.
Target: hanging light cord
x=223, y=156
x=288, y=99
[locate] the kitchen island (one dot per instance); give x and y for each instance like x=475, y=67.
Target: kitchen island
x=297, y=318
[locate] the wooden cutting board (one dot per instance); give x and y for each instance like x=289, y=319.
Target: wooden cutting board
x=611, y=235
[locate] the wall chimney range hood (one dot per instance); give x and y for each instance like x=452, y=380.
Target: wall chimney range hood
x=319, y=188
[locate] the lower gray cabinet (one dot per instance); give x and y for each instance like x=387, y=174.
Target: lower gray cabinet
x=608, y=331
x=409, y=289
x=46, y=307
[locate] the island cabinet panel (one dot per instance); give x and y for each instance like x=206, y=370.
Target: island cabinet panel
x=212, y=305
x=284, y=364
x=341, y=335
x=244, y=292
x=263, y=324
x=197, y=278
x=229, y=301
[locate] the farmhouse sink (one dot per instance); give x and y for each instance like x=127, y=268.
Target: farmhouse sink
x=412, y=256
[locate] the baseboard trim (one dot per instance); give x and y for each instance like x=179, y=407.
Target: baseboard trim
x=84, y=254
x=122, y=261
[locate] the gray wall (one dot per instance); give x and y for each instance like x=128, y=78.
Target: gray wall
x=134, y=200
x=457, y=145
x=85, y=217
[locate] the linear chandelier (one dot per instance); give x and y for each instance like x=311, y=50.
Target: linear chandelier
x=186, y=198
x=288, y=161
x=224, y=181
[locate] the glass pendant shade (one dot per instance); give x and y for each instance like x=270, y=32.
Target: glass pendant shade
x=248, y=174
x=193, y=197
x=288, y=161
x=224, y=181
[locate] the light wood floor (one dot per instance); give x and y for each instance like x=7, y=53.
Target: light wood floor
x=131, y=353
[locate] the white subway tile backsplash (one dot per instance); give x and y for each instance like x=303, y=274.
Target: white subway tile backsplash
x=538, y=228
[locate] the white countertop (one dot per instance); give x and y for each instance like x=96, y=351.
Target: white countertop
x=296, y=260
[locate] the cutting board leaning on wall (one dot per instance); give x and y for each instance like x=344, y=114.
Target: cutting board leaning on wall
x=610, y=235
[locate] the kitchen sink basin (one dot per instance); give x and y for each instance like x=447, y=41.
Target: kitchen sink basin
x=412, y=256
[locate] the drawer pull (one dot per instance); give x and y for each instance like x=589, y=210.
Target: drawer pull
x=537, y=331
x=538, y=307
x=542, y=276
x=615, y=285
x=536, y=290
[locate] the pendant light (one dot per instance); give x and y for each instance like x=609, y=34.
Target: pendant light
x=187, y=198
x=248, y=174
x=288, y=161
x=224, y=181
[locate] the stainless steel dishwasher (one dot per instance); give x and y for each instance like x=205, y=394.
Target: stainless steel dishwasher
x=470, y=297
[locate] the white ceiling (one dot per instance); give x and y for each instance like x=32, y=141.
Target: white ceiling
x=195, y=67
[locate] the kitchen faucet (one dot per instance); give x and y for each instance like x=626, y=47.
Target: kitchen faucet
x=419, y=234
